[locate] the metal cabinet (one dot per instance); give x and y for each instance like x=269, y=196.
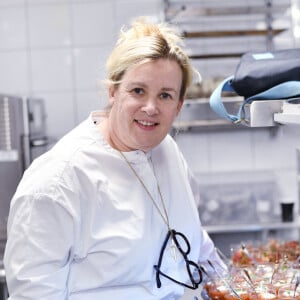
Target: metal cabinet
x=227, y=29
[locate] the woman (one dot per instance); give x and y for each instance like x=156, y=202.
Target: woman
x=110, y=212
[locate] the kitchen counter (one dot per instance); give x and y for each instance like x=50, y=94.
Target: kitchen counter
x=278, y=225
x=224, y=236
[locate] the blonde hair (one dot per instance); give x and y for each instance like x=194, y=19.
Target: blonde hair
x=145, y=42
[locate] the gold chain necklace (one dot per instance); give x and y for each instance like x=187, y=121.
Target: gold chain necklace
x=164, y=217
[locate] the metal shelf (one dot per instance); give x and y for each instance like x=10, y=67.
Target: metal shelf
x=226, y=235
x=196, y=114
x=216, y=55
x=232, y=228
x=211, y=20
x=184, y=9
x=227, y=33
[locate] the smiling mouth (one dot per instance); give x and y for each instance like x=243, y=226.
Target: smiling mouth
x=147, y=124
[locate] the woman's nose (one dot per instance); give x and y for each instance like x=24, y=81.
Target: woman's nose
x=150, y=107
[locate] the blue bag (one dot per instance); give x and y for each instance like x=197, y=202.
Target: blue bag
x=260, y=76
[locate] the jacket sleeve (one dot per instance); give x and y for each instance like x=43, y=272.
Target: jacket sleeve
x=39, y=248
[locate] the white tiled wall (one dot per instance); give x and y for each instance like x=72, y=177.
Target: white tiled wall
x=56, y=49
x=254, y=151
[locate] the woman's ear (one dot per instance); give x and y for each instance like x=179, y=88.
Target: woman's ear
x=111, y=94
x=179, y=106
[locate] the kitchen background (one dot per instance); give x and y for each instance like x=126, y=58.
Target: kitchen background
x=56, y=50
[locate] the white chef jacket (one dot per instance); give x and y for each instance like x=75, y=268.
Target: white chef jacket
x=81, y=225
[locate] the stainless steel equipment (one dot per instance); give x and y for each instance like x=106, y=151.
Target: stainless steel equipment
x=266, y=113
x=3, y=286
x=22, y=138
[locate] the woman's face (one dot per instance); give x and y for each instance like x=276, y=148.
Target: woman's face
x=144, y=105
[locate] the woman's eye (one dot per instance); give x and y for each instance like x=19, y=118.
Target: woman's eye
x=165, y=96
x=138, y=91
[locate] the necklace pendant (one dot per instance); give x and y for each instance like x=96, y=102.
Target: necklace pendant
x=173, y=250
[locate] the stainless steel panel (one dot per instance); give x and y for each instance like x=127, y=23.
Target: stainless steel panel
x=22, y=139
x=11, y=151
x=261, y=113
x=36, y=117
